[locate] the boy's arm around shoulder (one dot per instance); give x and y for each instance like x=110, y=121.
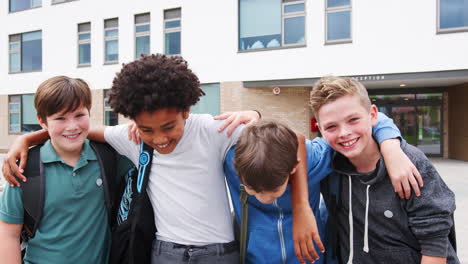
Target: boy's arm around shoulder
x=10, y=249
x=430, y=215
x=402, y=172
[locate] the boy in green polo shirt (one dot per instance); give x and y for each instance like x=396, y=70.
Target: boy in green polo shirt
x=74, y=225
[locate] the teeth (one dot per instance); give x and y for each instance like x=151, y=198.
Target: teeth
x=71, y=137
x=163, y=146
x=347, y=144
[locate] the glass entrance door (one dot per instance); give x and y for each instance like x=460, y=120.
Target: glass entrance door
x=418, y=116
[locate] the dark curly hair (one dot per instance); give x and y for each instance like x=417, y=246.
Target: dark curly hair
x=154, y=82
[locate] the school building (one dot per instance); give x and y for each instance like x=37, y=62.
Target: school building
x=251, y=54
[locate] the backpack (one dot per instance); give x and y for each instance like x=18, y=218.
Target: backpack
x=134, y=231
x=34, y=188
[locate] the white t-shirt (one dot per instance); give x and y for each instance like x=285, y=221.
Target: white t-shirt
x=186, y=187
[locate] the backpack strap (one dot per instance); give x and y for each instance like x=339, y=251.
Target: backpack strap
x=244, y=221
x=107, y=158
x=33, y=193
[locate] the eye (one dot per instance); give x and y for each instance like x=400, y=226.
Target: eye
x=353, y=120
x=330, y=127
x=59, y=118
x=80, y=115
x=169, y=128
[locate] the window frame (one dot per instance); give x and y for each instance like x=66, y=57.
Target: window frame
x=31, y=6
x=141, y=34
x=107, y=107
x=57, y=2
x=86, y=41
x=172, y=30
x=285, y=16
x=337, y=9
x=20, y=51
x=10, y=132
x=106, y=62
x=447, y=30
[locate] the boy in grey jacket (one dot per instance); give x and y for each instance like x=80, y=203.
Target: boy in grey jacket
x=371, y=223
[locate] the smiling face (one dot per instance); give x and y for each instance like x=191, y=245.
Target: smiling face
x=347, y=126
x=162, y=129
x=67, y=131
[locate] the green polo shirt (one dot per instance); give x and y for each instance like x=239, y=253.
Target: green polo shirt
x=74, y=226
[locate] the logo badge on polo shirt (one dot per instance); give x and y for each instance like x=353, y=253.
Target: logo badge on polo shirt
x=99, y=182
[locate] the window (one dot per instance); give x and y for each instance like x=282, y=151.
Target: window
x=18, y=5
x=172, y=29
x=22, y=115
x=208, y=104
x=110, y=117
x=453, y=16
x=84, y=44
x=25, y=52
x=111, y=40
x=338, y=21
x=268, y=24
x=142, y=35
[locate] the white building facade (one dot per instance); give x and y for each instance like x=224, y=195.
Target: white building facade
x=411, y=55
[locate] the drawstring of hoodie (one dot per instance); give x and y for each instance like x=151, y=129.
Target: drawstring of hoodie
x=351, y=228
x=350, y=219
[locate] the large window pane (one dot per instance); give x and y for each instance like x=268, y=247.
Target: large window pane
x=338, y=25
x=260, y=23
x=85, y=53
x=111, y=118
x=112, y=50
x=173, y=43
x=208, y=104
x=294, y=30
x=17, y=5
x=15, y=123
x=294, y=8
x=336, y=3
x=142, y=46
x=15, y=65
x=31, y=58
x=453, y=13
x=28, y=114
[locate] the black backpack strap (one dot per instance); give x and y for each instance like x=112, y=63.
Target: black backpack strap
x=452, y=235
x=107, y=158
x=33, y=193
x=142, y=226
x=244, y=223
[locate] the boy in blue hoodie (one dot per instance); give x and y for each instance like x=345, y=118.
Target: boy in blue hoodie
x=264, y=158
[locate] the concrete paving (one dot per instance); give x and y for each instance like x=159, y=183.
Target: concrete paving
x=454, y=173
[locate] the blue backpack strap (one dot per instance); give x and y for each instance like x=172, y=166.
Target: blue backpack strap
x=33, y=193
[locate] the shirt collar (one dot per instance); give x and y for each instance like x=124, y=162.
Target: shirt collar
x=49, y=155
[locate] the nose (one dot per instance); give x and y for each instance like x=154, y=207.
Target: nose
x=344, y=132
x=159, y=139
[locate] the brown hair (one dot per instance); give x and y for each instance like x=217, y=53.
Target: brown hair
x=329, y=89
x=266, y=153
x=61, y=94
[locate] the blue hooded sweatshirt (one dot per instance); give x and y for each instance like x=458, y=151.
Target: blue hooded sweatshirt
x=269, y=235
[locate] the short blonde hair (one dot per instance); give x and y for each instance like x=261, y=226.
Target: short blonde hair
x=331, y=88
x=61, y=94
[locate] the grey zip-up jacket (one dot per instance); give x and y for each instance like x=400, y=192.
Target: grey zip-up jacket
x=378, y=226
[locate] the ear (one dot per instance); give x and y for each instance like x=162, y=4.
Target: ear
x=374, y=114
x=42, y=122
x=295, y=167
x=186, y=113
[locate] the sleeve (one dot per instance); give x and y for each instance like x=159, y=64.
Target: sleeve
x=220, y=138
x=117, y=137
x=319, y=155
x=430, y=216
x=11, y=205
x=385, y=129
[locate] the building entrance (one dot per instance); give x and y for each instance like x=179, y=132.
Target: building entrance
x=418, y=116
